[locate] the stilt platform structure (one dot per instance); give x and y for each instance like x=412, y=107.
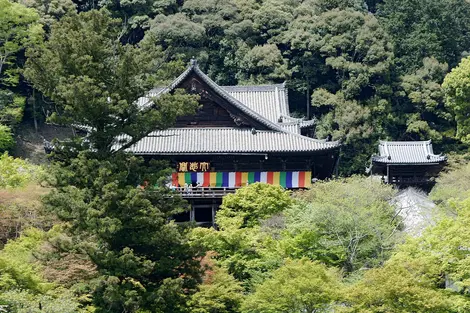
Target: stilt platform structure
x=407, y=163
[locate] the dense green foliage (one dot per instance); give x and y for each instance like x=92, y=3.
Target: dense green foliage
x=144, y=262
x=220, y=292
x=17, y=172
x=289, y=260
x=298, y=286
x=251, y=204
x=358, y=226
x=94, y=80
x=457, y=88
x=339, y=248
x=87, y=237
x=18, y=28
x=22, y=281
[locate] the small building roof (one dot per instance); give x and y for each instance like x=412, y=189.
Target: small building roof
x=224, y=140
x=407, y=152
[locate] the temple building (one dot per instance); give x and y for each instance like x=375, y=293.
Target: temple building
x=239, y=135
x=406, y=163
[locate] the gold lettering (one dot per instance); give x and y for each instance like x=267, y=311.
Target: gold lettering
x=183, y=167
x=204, y=166
x=193, y=166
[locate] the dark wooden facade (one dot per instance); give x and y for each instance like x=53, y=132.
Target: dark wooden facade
x=409, y=174
x=322, y=165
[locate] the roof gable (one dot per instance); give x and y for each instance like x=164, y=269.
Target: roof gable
x=268, y=101
x=242, y=111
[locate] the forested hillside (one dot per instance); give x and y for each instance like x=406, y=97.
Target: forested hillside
x=366, y=70
x=338, y=247
x=81, y=233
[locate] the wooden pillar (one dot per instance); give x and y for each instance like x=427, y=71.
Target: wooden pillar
x=214, y=208
x=388, y=174
x=192, y=213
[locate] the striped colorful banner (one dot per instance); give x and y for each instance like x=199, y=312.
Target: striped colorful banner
x=238, y=179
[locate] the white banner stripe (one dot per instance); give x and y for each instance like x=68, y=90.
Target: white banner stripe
x=295, y=179
x=264, y=177
x=231, y=180
x=200, y=177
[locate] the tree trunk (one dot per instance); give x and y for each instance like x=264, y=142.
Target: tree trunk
x=34, y=111
x=308, y=101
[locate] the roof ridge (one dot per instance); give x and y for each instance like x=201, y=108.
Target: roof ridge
x=410, y=142
x=228, y=128
x=290, y=123
x=267, y=87
x=270, y=87
x=293, y=118
x=243, y=107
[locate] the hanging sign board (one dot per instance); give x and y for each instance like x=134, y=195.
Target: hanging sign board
x=193, y=166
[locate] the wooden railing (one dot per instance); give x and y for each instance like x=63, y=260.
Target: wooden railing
x=411, y=179
x=204, y=192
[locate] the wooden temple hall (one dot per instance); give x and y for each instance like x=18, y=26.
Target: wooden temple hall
x=239, y=135
x=407, y=163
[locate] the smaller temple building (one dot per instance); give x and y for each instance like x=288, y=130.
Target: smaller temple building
x=406, y=163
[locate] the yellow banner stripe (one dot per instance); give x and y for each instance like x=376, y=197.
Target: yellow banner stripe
x=276, y=178
x=213, y=180
x=244, y=178
x=181, y=181
x=308, y=179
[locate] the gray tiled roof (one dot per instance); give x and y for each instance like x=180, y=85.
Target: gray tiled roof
x=300, y=121
x=265, y=104
x=267, y=101
x=292, y=127
x=411, y=152
x=225, y=140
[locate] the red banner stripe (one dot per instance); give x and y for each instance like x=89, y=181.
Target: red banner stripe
x=270, y=177
x=174, y=178
x=238, y=179
x=301, y=179
x=207, y=179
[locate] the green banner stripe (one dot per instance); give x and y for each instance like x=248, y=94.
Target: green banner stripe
x=282, y=179
x=219, y=179
x=187, y=178
x=251, y=177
